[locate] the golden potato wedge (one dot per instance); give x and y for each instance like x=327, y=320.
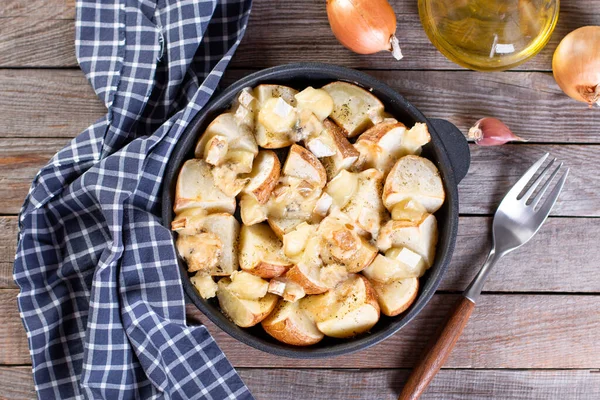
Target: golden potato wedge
x=408, y=210
x=308, y=277
x=416, y=178
x=290, y=324
x=395, y=297
x=365, y=207
x=261, y=252
x=418, y=236
x=216, y=149
x=244, y=313
x=354, y=108
x=318, y=101
x=275, y=109
x=248, y=286
x=342, y=188
x=264, y=176
x=281, y=226
x=289, y=290
x=294, y=242
x=345, y=154
x=196, y=188
x=397, y=263
x=251, y=211
x=226, y=127
x=347, y=310
x=380, y=146
x=214, y=245
x=205, y=285
x=302, y=164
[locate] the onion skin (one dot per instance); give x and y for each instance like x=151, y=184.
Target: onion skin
x=364, y=26
x=492, y=132
x=576, y=64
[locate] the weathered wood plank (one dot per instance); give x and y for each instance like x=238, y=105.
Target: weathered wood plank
x=37, y=42
x=562, y=257
x=40, y=9
x=46, y=103
x=301, y=33
x=65, y=103
x=13, y=341
x=20, y=160
x=17, y=383
x=448, y=384
x=493, y=171
x=8, y=244
x=505, y=331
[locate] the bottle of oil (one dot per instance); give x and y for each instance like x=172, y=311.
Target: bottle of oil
x=489, y=35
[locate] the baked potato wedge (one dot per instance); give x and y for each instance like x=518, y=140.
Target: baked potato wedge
x=261, y=252
x=302, y=164
x=281, y=226
x=244, y=313
x=290, y=324
x=289, y=290
x=354, y=108
x=264, y=176
x=317, y=101
x=248, y=286
x=416, y=178
x=196, y=188
x=226, y=127
x=397, y=263
x=251, y=211
x=365, y=207
x=277, y=116
x=419, y=236
x=205, y=285
x=345, y=154
x=342, y=188
x=213, y=247
x=395, y=297
x=345, y=311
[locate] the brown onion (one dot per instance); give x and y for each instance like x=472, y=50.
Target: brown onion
x=364, y=26
x=576, y=64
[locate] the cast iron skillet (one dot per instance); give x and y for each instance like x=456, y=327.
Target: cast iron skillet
x=448, y=150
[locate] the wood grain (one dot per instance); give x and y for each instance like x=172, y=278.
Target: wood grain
x=438, y=351
x=8, y=244
x=505, y=331
x=39, y=9
x=46, y=103
x=301, y=33
x=13, y=341
x=16, y=383
x=65, y=103
x=448, y=384
x=562, y=257
x=493, y=172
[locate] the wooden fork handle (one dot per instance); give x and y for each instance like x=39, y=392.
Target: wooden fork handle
x=438, y=352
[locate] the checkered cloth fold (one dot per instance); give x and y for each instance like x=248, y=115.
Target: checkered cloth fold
x=101, y=297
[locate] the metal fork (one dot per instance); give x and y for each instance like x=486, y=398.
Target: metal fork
x=517, y=219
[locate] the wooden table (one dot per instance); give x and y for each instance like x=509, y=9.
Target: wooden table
x=536, y=331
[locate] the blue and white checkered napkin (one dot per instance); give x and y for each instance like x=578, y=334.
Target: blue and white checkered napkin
x=101, y=297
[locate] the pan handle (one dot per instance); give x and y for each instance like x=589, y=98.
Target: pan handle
x=456, y=146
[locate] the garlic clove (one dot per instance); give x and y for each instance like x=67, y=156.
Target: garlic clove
x=492, y=132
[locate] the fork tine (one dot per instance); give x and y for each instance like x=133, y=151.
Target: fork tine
x=521, y=183
x=536, y=199
x=537, y=181
x=545, y=209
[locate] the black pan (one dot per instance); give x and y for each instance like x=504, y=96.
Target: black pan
x=448, y=150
